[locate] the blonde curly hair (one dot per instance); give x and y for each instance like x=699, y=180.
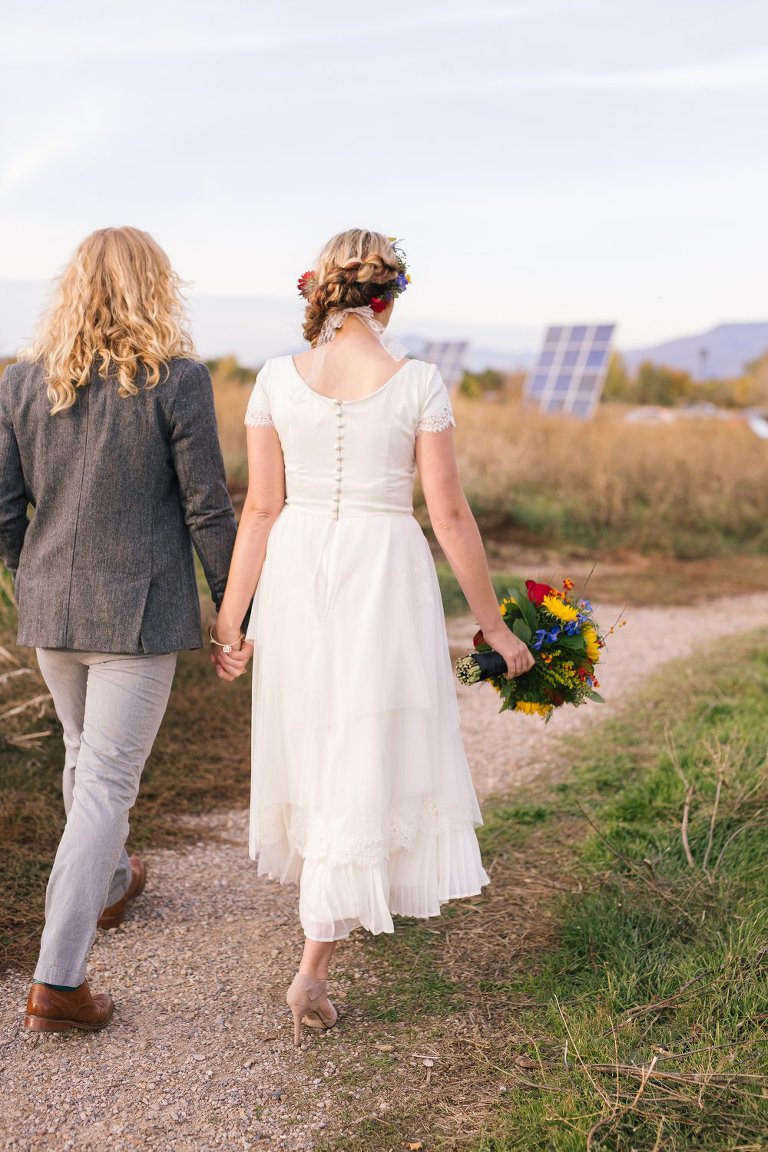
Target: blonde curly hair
x=353, y=267
x=118, y=303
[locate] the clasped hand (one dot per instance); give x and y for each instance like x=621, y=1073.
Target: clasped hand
x=230, y=665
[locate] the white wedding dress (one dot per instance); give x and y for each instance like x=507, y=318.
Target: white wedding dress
x=360, y=789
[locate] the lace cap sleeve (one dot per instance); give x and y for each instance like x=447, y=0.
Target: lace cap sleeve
x=258, y=414
x=436, y=412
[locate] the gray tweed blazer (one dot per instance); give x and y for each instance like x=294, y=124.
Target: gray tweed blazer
x=121, y=488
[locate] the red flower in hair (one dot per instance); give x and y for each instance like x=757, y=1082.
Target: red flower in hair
x=537, y=592
x=306, y=283
x=379, y=303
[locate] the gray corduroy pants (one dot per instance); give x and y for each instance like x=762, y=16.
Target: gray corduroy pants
x=110, y=708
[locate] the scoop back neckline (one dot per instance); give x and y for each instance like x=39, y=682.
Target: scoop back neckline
x=357, y=400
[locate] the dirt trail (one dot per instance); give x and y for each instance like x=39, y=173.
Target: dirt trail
x=199, y=1056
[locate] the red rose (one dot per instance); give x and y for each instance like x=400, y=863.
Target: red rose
x=378, y=303
x=537, y=592
x=556, y=699
x=478, y=639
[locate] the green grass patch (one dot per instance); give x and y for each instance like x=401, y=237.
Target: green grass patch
x=657, y=991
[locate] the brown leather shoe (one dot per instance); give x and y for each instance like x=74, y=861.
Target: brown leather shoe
x=52, y=1011
x=113, y=916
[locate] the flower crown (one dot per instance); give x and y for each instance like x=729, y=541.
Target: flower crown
x=385, y=293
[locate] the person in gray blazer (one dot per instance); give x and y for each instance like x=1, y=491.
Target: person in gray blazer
x=108, y=432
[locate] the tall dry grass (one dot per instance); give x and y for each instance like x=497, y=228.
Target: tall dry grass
x=231, y=390
x=687, y=490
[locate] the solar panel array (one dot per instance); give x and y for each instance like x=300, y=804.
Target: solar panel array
x=570, y=372
x=449, y=357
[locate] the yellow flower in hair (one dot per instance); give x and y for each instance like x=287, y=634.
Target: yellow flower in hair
x=559, y=608
x=593, y=646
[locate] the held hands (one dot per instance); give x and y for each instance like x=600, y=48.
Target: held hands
x=229, y=655
x=516, y=654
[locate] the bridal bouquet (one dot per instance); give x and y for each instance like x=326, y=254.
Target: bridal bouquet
x=564, y=640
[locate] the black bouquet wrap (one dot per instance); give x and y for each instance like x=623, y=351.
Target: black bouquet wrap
x=480, y=666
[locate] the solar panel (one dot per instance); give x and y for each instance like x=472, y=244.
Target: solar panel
x=449, y=357
x=569, y=373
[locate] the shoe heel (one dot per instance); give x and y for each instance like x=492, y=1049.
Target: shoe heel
x=40, y=1024
x=297, y=1014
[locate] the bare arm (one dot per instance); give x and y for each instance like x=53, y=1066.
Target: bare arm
x=458, y=536
x=263, y=504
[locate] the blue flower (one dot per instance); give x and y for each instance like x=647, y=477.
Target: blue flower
x=402, y=281
x=545, y=637
x=573, y=627
x=585, y=605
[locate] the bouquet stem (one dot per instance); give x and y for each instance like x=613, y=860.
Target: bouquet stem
x=480, y=666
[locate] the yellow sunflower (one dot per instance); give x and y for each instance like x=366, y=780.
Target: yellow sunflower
x=591, y=641
x=533, y=709
x=559, y=608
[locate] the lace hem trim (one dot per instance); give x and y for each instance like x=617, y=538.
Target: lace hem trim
x=437, y=422
x=315, y=839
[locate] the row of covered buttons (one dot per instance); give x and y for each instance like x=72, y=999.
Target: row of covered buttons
x=339, y=434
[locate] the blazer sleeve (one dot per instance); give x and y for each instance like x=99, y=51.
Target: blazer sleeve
x=13, y=494
x=199, y=467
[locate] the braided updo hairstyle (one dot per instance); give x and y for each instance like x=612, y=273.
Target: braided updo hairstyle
x=353, y=268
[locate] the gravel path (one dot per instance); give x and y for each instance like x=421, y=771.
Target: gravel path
x=199, y=1056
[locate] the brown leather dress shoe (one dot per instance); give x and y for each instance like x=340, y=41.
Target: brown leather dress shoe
x=113, y=916
x=52, y=1011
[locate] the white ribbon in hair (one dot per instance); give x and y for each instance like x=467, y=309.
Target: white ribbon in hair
x=366, y=316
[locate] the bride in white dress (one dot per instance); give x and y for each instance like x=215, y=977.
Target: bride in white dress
x=361, y=791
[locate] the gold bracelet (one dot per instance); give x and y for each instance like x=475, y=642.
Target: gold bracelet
x=226, y=648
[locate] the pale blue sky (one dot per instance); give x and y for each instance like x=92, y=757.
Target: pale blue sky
x=545, y=160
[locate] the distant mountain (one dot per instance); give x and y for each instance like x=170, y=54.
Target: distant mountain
x=723, y=351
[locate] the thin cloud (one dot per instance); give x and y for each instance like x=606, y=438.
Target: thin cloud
x=239, y=39
x=720, y=75
x=62, y=140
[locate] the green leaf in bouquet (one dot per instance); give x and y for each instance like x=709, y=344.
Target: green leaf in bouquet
x=522, y=631
x=519, y=593
x=592, y=695
x=572, y=643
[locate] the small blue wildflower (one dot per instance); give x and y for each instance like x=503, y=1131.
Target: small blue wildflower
x=544, y=636
x=402, y=281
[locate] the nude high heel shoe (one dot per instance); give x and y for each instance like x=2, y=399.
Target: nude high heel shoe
x=308, y=1000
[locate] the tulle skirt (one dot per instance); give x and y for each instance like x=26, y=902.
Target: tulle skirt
x=361, y=791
